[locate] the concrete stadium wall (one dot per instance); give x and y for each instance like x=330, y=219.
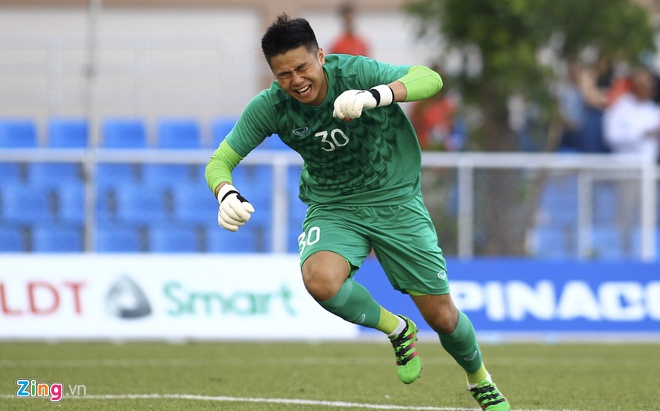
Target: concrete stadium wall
x=200, y=61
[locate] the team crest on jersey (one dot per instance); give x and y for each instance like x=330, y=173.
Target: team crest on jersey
x=301, y=131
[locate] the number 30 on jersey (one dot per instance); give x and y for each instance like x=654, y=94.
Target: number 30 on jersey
x=333, y=139
x=311, y=237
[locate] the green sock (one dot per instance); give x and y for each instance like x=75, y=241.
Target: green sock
x=463, y=346
x=354, y=304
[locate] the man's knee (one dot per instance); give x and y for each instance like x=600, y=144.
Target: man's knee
x=438, y=311
x=323, y=274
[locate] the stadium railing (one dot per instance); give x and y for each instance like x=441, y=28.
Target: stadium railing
x=117, y=195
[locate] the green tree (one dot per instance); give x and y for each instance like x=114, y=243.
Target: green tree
x=514, y=47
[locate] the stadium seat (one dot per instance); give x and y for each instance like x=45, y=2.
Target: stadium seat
x=109, y=175
x=18, y=133
x=220, y=127
x=292, y=241
x=54, y=174
x=559, y=200
x=25, y=204
x=11, y=172
x=178, y=134
x=168, y=239
x=67, y=133
x=119, y=239
x=140, y=204
x=219, y=240
x=70, y=203
x=553, y=243
x=194, y=204
x=604, y=203
x=273, y=143
x=46, y=238
x=11, y=240
x=607, y=243
x=123, y=133
x=169, y=175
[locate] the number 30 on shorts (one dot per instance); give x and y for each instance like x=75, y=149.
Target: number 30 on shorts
x=311, y=237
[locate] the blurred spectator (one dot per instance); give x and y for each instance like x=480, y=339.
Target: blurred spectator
x=587, y=92
x=523, y=121
x=595, y=83
x=632, y=126
x=349, y=42
x=632, y=123
x=437, y=123
x=571, y=106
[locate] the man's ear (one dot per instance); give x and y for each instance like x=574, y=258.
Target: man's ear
x=321, y=56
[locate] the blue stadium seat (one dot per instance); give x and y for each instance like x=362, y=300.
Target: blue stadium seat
x=292, y=241
x=169, y=175
x=11, y=172
x=273, y=143
x=54, y=174
x=109, y=175
x=607, y=243
x=220, y=127
x=140, y=204
x=553, y=243
x=219, y=240
x=119, y=239
x=11, y=240
x=70, y=200
x=559, y=200
x=46, y=238
x=604, y=203
x=67, y=133
x=297, y=210
x=173, y=239
x=123, y=133
x=25, y=204
x=636, y=241
x=194, y=204
x=178, y=134
x=18, y=133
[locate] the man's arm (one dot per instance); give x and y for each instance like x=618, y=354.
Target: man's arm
x=219, y=168
x=419, y=83
x=234, y=210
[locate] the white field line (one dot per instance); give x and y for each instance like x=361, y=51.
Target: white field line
x=285, y=401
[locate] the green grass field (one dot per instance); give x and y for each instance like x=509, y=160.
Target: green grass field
x=324, y=376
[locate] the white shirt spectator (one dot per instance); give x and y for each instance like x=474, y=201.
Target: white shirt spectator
x=631, y=124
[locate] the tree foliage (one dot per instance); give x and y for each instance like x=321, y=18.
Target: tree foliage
x=517, y=48
x=508, y=36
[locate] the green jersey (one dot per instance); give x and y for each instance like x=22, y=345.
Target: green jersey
x=374, y=159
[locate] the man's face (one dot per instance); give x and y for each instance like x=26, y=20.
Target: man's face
x=300, y=74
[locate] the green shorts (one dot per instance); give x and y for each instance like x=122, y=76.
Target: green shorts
x=402, y=236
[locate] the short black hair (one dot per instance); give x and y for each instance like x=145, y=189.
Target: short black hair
x=287, y=34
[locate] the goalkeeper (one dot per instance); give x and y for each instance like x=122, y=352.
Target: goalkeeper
x=361, y=183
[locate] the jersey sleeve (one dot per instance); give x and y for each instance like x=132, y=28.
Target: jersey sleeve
x=257, y=122
x=220, y=166
x=421, y=82
x=367, y=72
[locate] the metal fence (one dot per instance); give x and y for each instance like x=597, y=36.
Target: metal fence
x=554, y=206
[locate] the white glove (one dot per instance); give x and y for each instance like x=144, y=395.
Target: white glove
x=234, y=210
x=351, y=103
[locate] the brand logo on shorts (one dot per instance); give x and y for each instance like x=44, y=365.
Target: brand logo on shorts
x=442, y=275
x=361, y=319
